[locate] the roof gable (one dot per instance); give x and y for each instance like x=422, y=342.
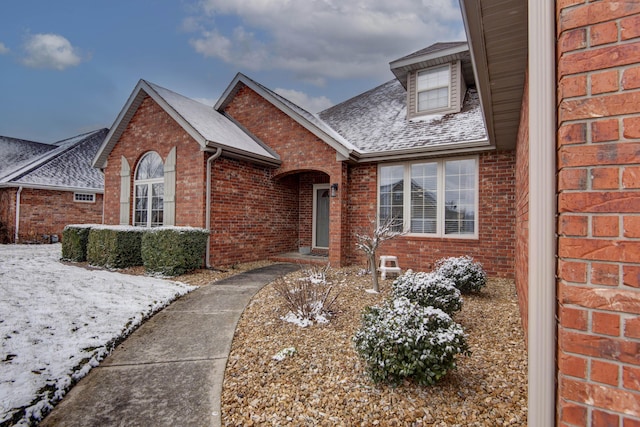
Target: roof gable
x=309, y=121
x=205, y=125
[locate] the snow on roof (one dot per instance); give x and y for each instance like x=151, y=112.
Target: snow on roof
x=69, y=165
x=376, y=122
x=16, y=153
x=212, y=125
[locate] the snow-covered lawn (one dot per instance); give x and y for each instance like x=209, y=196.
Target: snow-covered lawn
x=58, y=321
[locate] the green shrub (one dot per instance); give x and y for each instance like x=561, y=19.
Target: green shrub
x=402, y=339
x=115, y=246
x=428, y=289
x=468, y=276
x=74, y=242
x=173, y=251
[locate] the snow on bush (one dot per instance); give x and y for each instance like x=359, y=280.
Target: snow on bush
x=402, y=339
x=308, y=298
x=428, y=289
x=468, y=276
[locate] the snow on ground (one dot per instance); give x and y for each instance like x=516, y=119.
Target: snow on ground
x=58, y=321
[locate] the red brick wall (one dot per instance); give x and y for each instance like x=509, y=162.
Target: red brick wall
x=253, y=216
x=599, y=213
x=522, y=212
x=7, y=214
x=496, y=243
x=151, y=128
x=47, y=212
x=300, y=152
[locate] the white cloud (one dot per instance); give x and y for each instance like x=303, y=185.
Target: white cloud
x=50, y=51
x=301, y=99
x=323, y=39
x=3, y=49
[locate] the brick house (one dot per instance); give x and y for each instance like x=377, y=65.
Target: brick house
x=269, y=178
x=44, y=187
x=562, y=79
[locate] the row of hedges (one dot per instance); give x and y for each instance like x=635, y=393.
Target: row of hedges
x=413, y=334
x=169, y=251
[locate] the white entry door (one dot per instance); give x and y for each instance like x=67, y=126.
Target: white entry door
x=321, y=216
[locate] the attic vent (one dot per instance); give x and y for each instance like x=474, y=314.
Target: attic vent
x=84, y=197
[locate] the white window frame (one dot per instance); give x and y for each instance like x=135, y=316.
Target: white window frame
x=149, y=184
x=440, y=216
x=419, y=91
x=84, y=197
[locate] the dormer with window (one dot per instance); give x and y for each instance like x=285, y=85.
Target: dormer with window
x=435, y=78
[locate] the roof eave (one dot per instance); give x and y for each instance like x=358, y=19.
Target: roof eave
x=14, y=184
x=234, y=153
x=430, y=151
x=500, y=52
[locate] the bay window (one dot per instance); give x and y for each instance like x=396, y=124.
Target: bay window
x=435, y=197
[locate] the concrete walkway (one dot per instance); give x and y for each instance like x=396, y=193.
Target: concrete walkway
x=169, y=372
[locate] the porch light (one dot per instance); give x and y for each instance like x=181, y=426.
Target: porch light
x=334, y=190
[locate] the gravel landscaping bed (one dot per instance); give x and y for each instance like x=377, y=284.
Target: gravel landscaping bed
x=324, y=383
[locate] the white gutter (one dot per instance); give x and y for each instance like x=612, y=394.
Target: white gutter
x=210, y=160
x=17, y=214
x=542, y=212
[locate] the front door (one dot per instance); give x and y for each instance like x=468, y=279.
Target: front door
x=321, y=216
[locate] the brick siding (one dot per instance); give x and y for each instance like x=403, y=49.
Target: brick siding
x=45, y=213
x=151, y=128
x=598, y=223
x=495, y=245
x=522, y=213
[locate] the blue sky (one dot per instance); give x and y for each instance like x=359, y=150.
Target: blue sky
x=68, y=66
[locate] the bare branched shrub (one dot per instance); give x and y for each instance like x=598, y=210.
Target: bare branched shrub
x=369, y=241
x=308, y=298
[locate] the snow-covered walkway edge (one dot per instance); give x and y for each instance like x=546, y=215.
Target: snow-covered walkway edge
x=59, y=321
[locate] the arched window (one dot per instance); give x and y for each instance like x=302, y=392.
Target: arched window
x=149, y=191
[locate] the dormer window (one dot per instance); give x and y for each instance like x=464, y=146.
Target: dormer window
x=433, y=88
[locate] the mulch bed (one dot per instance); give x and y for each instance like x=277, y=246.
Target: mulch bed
x=324, y=383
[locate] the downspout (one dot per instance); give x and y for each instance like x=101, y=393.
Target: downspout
x=542, y=214
x=17, y=233
x=210, y=160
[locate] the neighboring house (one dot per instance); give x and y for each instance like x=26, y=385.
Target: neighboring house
x=44, y=187
x=269, y=178
x=563, y=80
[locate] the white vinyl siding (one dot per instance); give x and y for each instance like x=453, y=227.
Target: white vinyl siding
x=441, y=97
x=437, y=198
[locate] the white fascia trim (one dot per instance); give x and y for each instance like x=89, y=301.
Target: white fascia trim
x=52, y=187
x=438, y=150
x=429, y=56
x=542, y=212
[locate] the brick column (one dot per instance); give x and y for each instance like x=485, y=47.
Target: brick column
x=338, y=225
x=599, y=213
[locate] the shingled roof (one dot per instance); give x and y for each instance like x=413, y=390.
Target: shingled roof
x=375, y=122
x=16, y=153
x=67, y=166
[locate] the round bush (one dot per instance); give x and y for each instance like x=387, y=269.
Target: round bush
x=468, y=276
x=429, y=289
x=402, y=339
